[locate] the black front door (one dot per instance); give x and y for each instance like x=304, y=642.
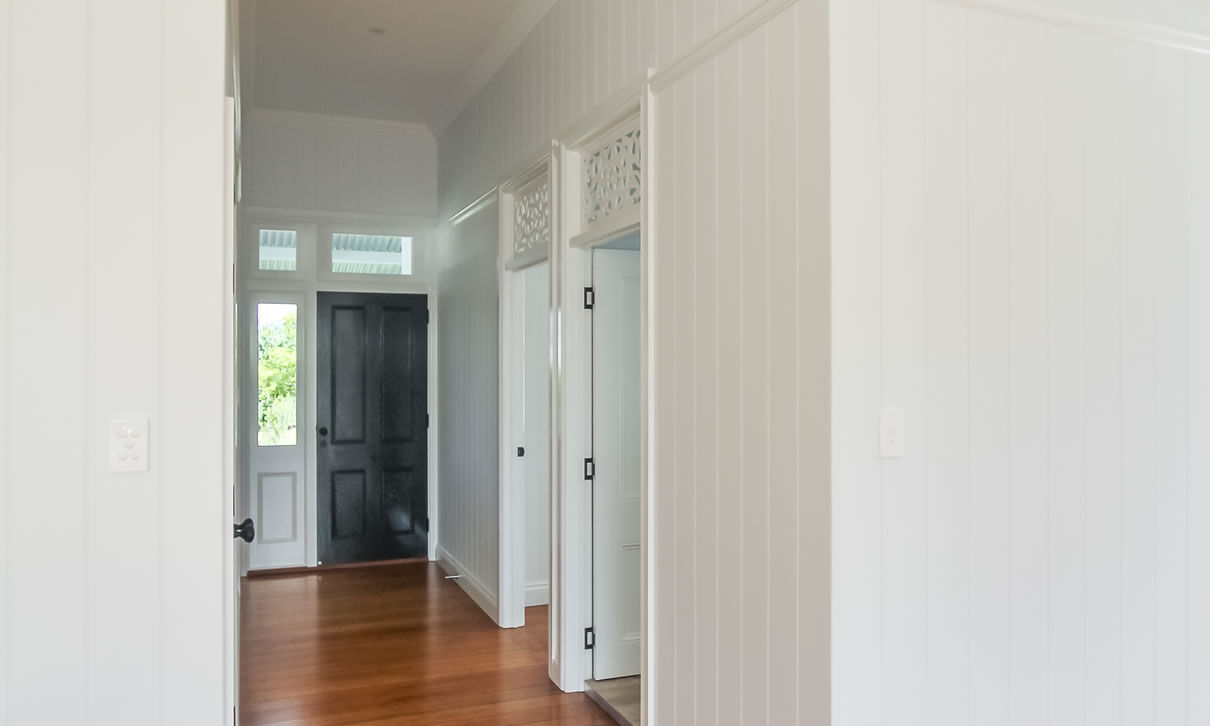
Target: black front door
x=372, y=426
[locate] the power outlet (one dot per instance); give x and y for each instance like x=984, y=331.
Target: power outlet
x=129, y=449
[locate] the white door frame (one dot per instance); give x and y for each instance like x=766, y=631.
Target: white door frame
x=306, y=282
x=513, y=527
x=571, y=392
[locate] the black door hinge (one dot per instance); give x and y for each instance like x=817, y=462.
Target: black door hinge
x=426, y=420
x=590, y=468
x=426, y=316
x=590, y=638
x=590, y=297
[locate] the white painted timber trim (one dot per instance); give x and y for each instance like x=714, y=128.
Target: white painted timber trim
x=750, y=21
x=470, y=584
x=476, y=206
x=411, y=222
x=610, y=228
x=318, y=120
x=1114, y=28
x=506, y=41
x=613, y=113
x=537, y=593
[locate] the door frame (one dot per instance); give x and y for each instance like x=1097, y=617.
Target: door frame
x=513, y=527
x=307, y=282
x=571, y=392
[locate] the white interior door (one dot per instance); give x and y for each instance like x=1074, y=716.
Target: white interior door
x=616, y=398
x=533, y=469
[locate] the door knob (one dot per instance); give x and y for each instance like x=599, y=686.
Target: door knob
x=245, y=530
x=323, y=430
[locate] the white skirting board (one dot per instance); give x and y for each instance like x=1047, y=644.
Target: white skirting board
x=470, y=584
x=537, y=593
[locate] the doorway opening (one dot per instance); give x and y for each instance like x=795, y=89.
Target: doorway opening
x=617, y=478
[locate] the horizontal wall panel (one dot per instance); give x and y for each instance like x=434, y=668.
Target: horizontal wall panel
x=321, y=163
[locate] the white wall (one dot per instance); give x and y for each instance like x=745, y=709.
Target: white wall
x=1021, y=253
x=579, y=55
x=111, y=296
x=740, y=360
x=468, y=402
x=334, y=164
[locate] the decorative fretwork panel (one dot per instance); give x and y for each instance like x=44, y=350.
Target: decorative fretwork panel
x=611, y=177
x=531, y=216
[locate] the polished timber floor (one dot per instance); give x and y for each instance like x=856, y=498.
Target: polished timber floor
x=397, y=645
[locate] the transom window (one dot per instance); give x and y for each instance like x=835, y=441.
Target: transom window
x=279, y=250
x=371, y=254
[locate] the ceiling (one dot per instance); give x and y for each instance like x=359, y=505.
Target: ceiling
x=414, y=61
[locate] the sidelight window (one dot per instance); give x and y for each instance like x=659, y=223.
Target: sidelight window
x=277, y=374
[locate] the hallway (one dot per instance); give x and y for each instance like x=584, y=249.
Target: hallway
x=395, y=644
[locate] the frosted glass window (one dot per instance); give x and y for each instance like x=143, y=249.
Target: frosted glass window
x=371, y=254
x=279, y=250
x=277, y=374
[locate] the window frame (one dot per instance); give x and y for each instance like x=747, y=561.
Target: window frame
x=304, y=251
x=324, y=248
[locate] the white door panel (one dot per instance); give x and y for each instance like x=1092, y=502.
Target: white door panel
x=277, y=501
x=617, y=475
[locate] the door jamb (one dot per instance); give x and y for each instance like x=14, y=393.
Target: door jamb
x=571, y=395
x=513, y=527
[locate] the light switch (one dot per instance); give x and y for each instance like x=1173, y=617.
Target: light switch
x=892, y=445
x=128, y=445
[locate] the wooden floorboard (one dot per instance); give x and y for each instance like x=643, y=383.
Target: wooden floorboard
x=394, y=645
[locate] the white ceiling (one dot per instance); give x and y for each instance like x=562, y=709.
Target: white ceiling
x=320, y=56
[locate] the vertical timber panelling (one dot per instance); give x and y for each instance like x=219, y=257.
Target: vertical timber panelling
x=580, y=54
x=741, y=380
x=49, y=116
x=1027, y=283
x=468, y=332
x=6, y=307
x=1197, y=272
x=110, y=583
x=123, y=620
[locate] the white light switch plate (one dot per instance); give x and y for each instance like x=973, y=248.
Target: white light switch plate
x=128, y=445
x=892, y=445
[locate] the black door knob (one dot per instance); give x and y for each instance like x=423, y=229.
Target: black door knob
x=323, y=430
x=245, y=530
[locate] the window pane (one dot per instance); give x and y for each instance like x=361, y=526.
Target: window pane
x=278, y=249
x=371, y=254
x=277, y=374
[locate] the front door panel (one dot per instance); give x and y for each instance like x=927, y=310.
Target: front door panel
x=372, y=427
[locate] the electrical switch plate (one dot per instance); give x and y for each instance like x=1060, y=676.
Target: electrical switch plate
x=128, y=445
x=892, y=445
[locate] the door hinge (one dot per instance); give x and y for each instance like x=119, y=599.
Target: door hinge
x=590, y=469
x=426, y=420
x=590, y=638
x=590, y=297
x=426, y=316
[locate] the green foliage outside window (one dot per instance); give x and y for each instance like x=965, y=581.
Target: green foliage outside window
x=277, y=379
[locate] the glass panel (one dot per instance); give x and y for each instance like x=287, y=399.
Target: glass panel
x=371, y=254
x=277, y=374
x=279, y=250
